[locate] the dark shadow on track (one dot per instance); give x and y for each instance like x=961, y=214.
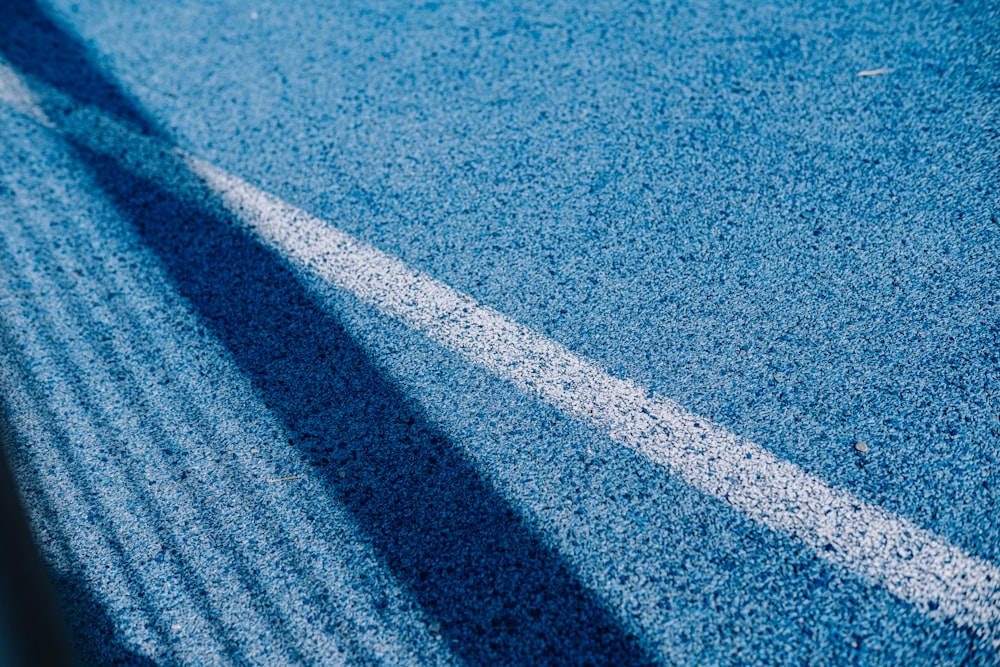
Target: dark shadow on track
x=32, y=631
x=98, y=637
x=34, y=44
x=501, y=596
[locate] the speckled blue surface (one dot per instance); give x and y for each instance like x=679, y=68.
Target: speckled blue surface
x=705, y=198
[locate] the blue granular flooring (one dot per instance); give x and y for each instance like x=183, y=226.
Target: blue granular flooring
x=704, y=198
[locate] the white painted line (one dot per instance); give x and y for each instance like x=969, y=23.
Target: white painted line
x=939, y=579
x=15, y=93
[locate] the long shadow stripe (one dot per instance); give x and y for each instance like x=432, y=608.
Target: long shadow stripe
x=467, y=557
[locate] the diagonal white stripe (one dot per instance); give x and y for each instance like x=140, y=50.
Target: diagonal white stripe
x=939, y=579
x=910, y=561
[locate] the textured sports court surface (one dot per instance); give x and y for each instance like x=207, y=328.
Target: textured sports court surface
x=497, y=333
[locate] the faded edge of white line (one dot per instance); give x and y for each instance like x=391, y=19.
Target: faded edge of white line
x=939, y=579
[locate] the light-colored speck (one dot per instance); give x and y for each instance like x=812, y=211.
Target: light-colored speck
x=861, y=447
x=874, y=72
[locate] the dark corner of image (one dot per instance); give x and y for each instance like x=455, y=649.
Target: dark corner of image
x=32, y=630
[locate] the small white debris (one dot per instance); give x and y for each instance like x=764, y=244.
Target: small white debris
x=253, y=16
x=874, y=72
x=255, y=451
x=861, y=447
x=290, y=478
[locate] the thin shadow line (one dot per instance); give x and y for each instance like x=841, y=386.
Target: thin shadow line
x=97, y=642
x=122, y=463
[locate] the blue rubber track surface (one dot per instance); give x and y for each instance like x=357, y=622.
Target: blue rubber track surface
x=785, y=218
